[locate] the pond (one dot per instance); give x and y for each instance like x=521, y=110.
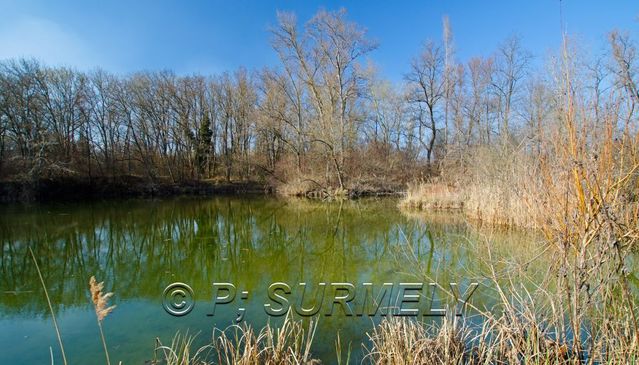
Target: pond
x=139, y=247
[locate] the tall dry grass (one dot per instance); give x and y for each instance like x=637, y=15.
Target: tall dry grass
x=594, y=221
x=500, y=186
x=287, y=344
x=504, y=187
x=579, y=188
x=529, y=321
x=581, y=192
x=404, y=341
x=432, y=196
x=181, y=351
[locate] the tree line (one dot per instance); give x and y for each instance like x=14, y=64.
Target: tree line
x=323, y=117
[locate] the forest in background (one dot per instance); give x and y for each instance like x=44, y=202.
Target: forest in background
x=323, y=119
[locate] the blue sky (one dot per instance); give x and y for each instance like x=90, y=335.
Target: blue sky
x=214, y=36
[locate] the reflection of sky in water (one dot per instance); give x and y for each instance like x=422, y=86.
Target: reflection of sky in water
x=138, y=247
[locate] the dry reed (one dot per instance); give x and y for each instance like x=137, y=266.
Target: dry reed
x=55, y=322
x=102, y=309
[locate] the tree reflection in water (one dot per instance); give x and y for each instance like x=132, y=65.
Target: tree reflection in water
x=138, y=247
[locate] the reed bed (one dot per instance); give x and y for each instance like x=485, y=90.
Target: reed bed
x=432, y=196
x=181, y=351
x=404, y=341
x=287, y=344
x=577, y=184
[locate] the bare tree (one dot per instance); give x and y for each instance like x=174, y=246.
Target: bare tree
x=428, y=89
x=480, y=105
x=327, y=55
x=387, y=117
x=624, y=53
x=511, y=66
x=448, y=71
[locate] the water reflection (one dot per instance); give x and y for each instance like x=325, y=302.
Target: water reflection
x=138, y=247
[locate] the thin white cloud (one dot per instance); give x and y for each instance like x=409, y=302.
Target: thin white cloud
x=46, y=41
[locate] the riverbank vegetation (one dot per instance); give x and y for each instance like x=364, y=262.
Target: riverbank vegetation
x=289, y=344
x=574, y=176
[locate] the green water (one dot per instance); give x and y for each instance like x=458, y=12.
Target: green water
x=138, y=247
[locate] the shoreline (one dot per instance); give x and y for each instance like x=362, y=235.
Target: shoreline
x=78, y=189
x=70, y=189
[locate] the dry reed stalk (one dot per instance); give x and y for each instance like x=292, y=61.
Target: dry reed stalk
x=102, y=309
x=55, y=323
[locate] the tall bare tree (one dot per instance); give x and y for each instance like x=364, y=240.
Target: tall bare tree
x=511, y=66
x=327, y=55
x=428, y=83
